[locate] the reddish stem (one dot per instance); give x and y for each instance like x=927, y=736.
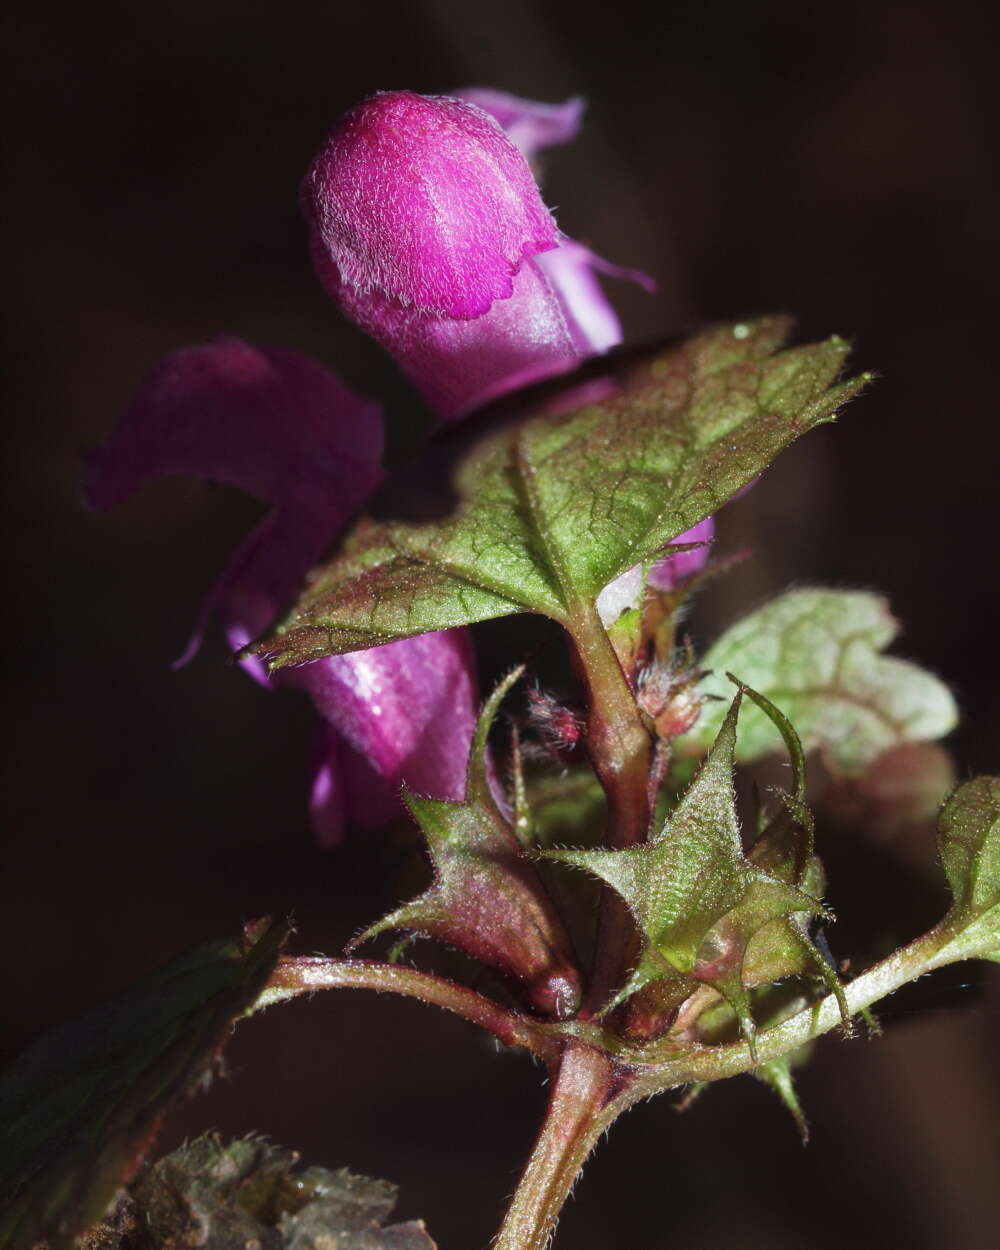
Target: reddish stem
x=305, y=975
x=621, y=752
x=589, y=1092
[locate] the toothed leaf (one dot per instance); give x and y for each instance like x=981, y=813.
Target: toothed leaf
x=784, y=850
x=251, y=1193
x=546, y=511
x=817, y=655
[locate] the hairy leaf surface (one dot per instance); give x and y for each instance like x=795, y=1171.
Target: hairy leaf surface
x=251, y=1193
x=544, y=511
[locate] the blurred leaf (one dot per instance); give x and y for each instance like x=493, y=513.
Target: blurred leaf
x=79, y=1108
x=548, y=510
x=969, y=844
x=816, y=654
x=252, y=1193
x=903, y=788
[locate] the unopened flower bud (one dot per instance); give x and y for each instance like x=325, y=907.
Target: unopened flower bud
x=669, y=695
x=425, y=201
x=560, y=728
x=430, y=233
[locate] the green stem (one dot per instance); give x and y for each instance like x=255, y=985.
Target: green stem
x=619, y=744
x=305, y=975
x=587, y=1096
x=621, y=752
x=714, y=1063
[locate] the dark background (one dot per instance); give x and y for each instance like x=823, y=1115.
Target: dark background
x=835, y=161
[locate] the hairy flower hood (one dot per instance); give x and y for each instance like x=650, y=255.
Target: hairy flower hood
x=428, y=230
x=424, y=200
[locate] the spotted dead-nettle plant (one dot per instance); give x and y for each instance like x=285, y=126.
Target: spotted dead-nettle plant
x=586, y=848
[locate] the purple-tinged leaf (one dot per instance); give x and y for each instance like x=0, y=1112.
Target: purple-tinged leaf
x=486, y=898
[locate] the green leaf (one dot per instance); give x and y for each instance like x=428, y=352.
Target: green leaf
x=969, y=845
x=547, y=510
x=79, y=1108
x=253, y=1193
x=697, y=899
x=816, y=654
x=486, y=898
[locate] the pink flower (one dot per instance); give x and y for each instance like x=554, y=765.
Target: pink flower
x=284, y=429
x=428, y=230
x=673, y=571
x=273, y=423
x=531, y=125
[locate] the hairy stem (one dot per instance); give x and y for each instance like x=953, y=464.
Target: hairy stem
x=305, y=975
x=588, y=1094
x=714, y=1063
x=619, y=744
x=622, y=754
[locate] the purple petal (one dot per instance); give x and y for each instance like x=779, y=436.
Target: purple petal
x=570, y=270
x=460, y=365
x=274, y=423
x=673, y=570
x=326, y=801
x=407, y=708
x=428, y=230
x=571, y=267
x=346, y=790
x=271, y=422
x=530, y=124
x=424, y=200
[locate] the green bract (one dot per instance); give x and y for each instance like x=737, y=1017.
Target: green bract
x=486, y=898
x=816, y=654
x=546, y=511
x=701, y=904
